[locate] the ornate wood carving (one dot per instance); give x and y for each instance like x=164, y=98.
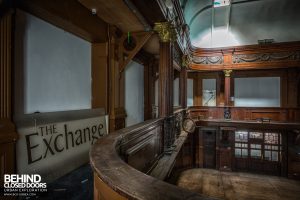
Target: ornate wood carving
x=266, y=57
x=208, y=60
x=280, y=55
x=166, y=31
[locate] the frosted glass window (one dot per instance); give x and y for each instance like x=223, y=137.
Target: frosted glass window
x=257, y=92
x=53, y=66
x=190, y=92
x=176, y=92
x=134, y=93
x=209, y=92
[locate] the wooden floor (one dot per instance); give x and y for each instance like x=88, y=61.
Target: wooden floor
x=239, y=186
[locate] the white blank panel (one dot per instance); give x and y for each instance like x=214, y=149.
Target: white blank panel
x=257, y=92
x=56, y=65
x=134, y=93
x=190, y=92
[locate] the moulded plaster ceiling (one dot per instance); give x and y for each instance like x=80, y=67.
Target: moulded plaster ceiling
x=244, y=22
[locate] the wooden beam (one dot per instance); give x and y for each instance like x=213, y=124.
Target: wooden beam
x=140, y=38
x=69, y=15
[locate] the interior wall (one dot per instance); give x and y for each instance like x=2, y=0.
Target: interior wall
x=134, y=93
x=53, y=68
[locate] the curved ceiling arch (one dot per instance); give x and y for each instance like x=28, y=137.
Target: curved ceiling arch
x=244, y=22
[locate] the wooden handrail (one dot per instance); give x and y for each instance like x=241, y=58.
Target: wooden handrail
x=114, y=178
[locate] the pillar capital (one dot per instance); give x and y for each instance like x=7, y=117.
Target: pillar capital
x=166, y=31
x=185, y=61
x=227, y=72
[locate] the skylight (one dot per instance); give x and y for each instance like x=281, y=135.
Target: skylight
x=221, y=3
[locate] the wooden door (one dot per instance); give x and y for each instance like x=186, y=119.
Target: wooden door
x=209, y=143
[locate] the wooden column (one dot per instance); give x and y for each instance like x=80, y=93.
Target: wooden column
x=166, y=73
x=116, y=85
x=227, y=87
x=8, y=136
x=167, y=35
x=183, y=87
x=100, y=76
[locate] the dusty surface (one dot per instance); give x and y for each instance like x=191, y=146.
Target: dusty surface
x=239, y=186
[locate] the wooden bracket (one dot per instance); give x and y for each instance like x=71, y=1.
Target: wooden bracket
x=139, y=38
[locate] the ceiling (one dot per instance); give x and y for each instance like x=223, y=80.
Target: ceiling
x=244, y=22
x=115, y=12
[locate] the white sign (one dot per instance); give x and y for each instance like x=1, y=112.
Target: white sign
x=53, y=150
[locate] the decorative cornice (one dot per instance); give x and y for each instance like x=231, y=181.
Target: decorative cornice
x=166, y=31
x=227, y=72
x=208, y=60
x=266, y=57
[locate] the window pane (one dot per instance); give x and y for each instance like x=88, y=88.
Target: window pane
x=267, y=147
x=237, y=144
x=209, y=92
x=255, y=153
x=274, y=147
x=245, y=145
x=256, y=135
x=244, y=152
x=256, y=146
x=271, y=138
x=257, y=92
x=267, y=155
x=241, y=136
x=274, y=156
x=190, y=92
x=238, y=152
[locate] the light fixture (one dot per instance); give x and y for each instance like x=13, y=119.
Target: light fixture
x=94, y=11
x=221, y=3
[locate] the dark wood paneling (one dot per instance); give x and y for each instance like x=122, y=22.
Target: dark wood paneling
x=8, y=135
x=143, y=153
x=243, y=113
